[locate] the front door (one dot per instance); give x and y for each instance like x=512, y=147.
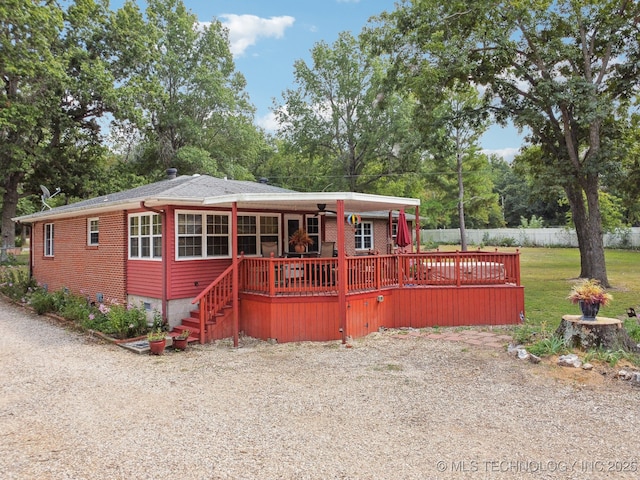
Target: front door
x=291, y=224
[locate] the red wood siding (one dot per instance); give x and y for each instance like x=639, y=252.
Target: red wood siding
x=84, y=270
x=144, y=278
x=290, y=319
x=316, y=318
x=189, y=278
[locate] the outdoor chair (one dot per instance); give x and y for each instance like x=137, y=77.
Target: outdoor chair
x=267, y=248
x=327, y=250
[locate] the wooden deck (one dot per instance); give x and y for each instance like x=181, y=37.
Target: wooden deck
x=297, y=299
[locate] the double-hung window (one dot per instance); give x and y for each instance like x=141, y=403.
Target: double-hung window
x=92, y=231
x=202, y=235
x=313, y=230
x=364, y=236
x=48, y=240
x=145, y=236
x=256, y=229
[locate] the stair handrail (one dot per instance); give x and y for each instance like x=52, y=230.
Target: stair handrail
x=228, y=293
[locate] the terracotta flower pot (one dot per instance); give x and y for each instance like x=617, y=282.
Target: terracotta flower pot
x=157, y=348
x=299, y=248
x=180, y=343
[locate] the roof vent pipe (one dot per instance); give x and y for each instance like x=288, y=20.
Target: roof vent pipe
x=172, y=173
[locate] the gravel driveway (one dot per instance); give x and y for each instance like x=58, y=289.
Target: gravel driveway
x=74, y=407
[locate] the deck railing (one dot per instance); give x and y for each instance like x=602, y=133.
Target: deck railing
x=217, y=295
x=319, y=276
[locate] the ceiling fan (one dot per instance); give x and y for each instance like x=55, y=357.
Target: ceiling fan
x=322, y=209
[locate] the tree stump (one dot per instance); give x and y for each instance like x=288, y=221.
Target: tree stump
x=603, y=332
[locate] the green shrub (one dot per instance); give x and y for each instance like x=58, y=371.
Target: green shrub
x=122, y=321
x=42, y=301
x=15, y=283
x=75, y=308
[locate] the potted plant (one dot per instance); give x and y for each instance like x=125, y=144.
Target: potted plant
x=157, y=341
x=180, y=341
x=300, y=240
x=590, y=295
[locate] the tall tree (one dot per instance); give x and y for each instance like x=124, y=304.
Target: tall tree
x=56, y=84
x=562, y=68
x=29, y=31
x=340, y=117
x=458, y=121
x=193, y=112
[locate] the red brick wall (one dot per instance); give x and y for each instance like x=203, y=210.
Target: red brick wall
x=84, y=270
x=379, y=235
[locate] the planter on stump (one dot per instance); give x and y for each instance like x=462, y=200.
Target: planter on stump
x=603, y=332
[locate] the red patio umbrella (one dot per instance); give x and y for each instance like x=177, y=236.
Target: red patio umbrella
x=403, y=237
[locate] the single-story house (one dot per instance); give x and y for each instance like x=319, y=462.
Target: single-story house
x=213, y=255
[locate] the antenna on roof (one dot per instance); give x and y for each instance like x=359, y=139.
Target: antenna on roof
x=46, y=195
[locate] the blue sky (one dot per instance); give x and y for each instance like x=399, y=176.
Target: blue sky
x=268, y=36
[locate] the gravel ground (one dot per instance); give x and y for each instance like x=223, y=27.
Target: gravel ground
x=75, y=407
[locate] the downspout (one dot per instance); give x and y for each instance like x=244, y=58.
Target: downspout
x=165, y=258
x=342, y=272
x=234, y=274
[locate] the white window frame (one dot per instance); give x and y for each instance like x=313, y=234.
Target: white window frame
x=315, y=234
x=360, y=237
x=49, y=235
x=154, y=236
x=202, y=233
x=259, y=235
x=90, y=231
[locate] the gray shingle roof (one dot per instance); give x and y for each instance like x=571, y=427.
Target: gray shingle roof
x=182, y=188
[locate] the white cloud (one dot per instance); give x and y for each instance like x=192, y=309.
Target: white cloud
x=245, y=30
x=508, y=153
x=268, y=122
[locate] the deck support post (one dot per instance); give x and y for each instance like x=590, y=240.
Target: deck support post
x=342, y=271
x=234, y=274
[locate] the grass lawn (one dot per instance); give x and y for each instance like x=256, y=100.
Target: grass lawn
x=549, y=273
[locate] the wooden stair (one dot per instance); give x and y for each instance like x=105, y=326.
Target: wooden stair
x=192, y=323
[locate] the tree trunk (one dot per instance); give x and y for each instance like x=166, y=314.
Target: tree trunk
x=463, y=229
x=10, y=207
x=588, y=224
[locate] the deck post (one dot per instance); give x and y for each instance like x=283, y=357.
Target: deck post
x=418, y=239
x=235, y=276
x=342, y=271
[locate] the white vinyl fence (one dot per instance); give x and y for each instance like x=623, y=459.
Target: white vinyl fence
x=529, y=237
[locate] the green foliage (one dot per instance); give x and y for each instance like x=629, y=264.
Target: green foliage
x=15, y=282
x=525, y=334
x=186, y=102
x=533, y=222
x=552, y=345
x=487, y=239
x=510, y=48
x=122, y=321
x=344, y=125
x=42, y=301
x=632, y=326
x=612, y=357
